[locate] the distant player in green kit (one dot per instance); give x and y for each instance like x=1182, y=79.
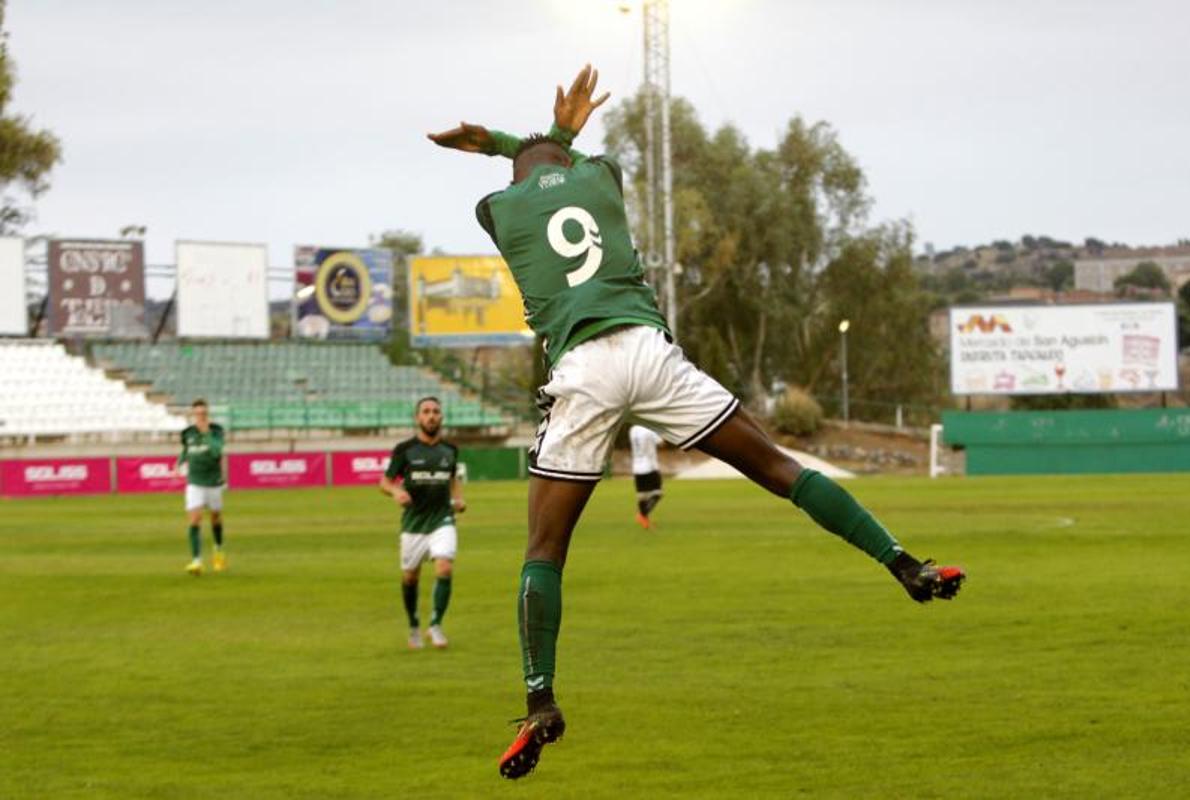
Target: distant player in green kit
x=421, y=478
x=202, y=453
x=562, y=227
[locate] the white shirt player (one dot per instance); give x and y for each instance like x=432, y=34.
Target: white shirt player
x=644, y=449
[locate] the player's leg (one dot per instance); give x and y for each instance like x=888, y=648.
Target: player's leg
x=554, y=509
x=215, y=505
x=648, y=495
x=443, y=547
x=742, y=443
x=690, y=409
x=194, y=507
x=583, y=406
x=414, y=549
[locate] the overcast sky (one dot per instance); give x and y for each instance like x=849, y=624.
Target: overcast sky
x=304, y=121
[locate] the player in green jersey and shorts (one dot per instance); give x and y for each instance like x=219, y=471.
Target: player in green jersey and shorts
x=202, y=453
x=563, y=229
x=422, y=479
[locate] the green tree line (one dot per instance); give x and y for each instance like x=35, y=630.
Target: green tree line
x=775, y=250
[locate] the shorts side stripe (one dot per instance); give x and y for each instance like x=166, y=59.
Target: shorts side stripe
x=711, y=426
x=577, y=477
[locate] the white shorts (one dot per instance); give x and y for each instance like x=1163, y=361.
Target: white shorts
x=200, y=496
x=632, y=375
x=419, y=547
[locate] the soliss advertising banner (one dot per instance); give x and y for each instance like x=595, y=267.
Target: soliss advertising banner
x=97, y=288
x=464, y=301
x=343, y=292
x=149, y=474
x=358, y=467
x=1110, y=347
x=46, y=476
x=275, y=470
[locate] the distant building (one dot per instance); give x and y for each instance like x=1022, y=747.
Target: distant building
x=1099, y=274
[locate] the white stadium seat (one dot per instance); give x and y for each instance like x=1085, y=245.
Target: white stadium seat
x=47, y=392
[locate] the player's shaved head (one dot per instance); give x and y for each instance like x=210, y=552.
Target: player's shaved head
x=534, y=151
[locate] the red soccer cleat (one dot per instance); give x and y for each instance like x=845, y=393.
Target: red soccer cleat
x=926, y=580
x=536, y=731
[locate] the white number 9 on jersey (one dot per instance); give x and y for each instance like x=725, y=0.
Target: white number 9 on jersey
x=591, y=243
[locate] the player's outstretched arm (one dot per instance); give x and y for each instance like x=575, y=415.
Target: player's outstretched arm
x=477, y=139
x=573, y=108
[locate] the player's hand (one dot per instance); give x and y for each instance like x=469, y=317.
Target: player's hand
x=402, y=497
x=468, y=138
x=460, y=505
x=572, y=109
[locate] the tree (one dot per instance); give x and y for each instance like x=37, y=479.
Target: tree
x=891, y=355
x=403, y=244
x=1059, y=275
x=26, y=155
x=756, y=232
x=1147, y=275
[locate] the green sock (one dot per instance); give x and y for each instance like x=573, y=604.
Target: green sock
x=409, y=596
x=830, y=505
x=441, y=600
x=539, y=614
x=195, y=541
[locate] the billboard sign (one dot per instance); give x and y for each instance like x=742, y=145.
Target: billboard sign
x=223, y=290
x=97, y=288
x=343, y=292
x=13, y=317
x=149, y=474
x=1085, y=349
x=464, y=301
x=50, y=476
x=275, y=470
x=358, y=467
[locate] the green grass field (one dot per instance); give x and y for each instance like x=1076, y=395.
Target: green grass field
x=736, y=651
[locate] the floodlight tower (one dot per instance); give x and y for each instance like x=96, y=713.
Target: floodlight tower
x=658, y=153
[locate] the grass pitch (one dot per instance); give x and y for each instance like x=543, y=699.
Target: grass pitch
x=736, y=651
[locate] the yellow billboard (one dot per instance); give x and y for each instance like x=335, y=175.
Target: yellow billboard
x=464, y=301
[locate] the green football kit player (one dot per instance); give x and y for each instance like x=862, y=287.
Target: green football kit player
x=563, y=229
x=202, y=453
x=422, y=479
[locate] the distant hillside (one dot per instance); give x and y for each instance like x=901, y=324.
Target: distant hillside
x=972, y=274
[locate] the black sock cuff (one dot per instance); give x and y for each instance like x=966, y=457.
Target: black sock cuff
x=539, y=700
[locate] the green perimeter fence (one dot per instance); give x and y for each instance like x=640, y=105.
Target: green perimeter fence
x=1039, y=442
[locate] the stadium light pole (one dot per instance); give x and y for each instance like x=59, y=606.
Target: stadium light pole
x=843, y=326
x=657, y=94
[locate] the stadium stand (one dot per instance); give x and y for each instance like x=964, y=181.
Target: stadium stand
x=47, y=392
x=291, y=384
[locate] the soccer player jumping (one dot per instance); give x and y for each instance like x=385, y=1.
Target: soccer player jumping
x=563, y=229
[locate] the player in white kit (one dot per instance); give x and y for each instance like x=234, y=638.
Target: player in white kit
x=645, y=472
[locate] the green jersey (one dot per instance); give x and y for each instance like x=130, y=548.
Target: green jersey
x=426, y=472
x=202, y=453
x=564, y=233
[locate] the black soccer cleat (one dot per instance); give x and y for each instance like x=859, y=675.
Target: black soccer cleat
x=537, y=730
x=925, y=580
